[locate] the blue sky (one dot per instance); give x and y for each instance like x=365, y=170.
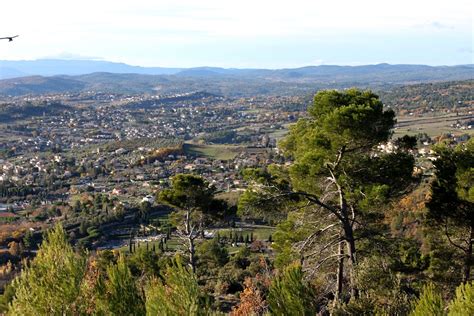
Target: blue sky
x=255, y=34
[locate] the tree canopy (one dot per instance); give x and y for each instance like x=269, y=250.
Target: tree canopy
x=338, y=169
x=452, y=196
x=50, y=284
x=196, y=208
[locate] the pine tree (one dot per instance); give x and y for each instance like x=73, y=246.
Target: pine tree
x=463, y=303
x=452, y=197
x=50, y=285
x=178, y=293
x=289, y=294
x=429, y=303
x=337, y=172
x=121, y=295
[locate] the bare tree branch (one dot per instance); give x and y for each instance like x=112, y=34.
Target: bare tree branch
x=321, y=262
x=449, y=238
x=315, y=234
x=331, y=243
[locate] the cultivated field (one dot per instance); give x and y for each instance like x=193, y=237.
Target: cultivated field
x=433, y=125
x=220, y=152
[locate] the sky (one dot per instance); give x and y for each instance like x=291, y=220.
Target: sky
x=241, y=33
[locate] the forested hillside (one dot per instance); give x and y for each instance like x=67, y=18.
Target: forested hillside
x=430, y=96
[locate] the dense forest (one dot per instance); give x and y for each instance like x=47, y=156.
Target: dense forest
x=358, y=232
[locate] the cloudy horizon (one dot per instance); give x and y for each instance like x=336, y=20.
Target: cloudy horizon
x=247, y=34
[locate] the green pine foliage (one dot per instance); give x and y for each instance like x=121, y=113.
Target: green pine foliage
x=121, y=295
x=211, y=257
x=463, y=303
x=429, y=303
x=452, y=196
x=178, y=294
x=6, y=298
x=50, y=284
x=290, y=294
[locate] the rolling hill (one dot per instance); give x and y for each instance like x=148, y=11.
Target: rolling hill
x=56, y=76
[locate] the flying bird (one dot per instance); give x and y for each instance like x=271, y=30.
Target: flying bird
x=9, y=38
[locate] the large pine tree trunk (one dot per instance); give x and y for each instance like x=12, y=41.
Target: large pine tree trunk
x=349, y=238
x=351, y=251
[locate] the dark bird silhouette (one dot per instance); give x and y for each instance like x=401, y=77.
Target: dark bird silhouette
x=9, y=38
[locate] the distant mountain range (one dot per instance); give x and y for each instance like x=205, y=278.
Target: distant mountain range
x=56, y=76
x=52, y=67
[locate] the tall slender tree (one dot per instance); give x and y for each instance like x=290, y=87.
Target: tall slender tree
x=196, y=206
x=344, y=178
